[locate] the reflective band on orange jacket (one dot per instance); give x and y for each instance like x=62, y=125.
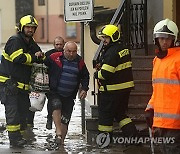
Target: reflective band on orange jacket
x=165, y=99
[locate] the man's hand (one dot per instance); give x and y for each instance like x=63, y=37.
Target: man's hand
x=83, y=94
x=39, y=54
x=149, y=115
x=98, y=67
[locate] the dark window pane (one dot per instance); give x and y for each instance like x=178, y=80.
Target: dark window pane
x=41, y=2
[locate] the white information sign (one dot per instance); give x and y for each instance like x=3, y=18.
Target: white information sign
x=78, y=10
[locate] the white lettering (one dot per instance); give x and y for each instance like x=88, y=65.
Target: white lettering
x=115, y=139
x=146, y=139
x=120, y=140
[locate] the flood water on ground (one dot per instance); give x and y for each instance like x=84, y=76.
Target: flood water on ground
x=40, y=138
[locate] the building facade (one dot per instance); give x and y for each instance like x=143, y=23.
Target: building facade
x=50, y=16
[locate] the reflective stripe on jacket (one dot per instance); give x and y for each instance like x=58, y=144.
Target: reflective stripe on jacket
x=17, y=58
x=165, y=99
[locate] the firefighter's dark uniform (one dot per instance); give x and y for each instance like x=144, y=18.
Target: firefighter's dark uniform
x=116, y=81
x=15, y=71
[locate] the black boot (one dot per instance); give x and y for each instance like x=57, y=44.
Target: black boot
x=49, y=124
x=16, y=140
x=129, y=130
x=18, y=143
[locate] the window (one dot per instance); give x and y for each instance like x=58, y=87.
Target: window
x=41, y=2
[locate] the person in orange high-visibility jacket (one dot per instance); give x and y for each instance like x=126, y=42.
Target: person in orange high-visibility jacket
x=163, y=109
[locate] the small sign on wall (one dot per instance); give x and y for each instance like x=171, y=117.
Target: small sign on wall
x=78, y=10
x=71, y=30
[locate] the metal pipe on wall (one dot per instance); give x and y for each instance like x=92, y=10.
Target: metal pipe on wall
x=47, y=19
x=83, y=100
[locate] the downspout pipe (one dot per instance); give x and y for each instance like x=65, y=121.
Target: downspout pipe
x=47, y=23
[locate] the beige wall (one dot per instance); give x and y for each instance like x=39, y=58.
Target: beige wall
x=7, y=15
x=55, y=7
x=90, y=49
x=39, y=10
x=168, y=9
x=171, y=11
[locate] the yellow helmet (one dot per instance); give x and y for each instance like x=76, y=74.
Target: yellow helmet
x=166, y=28
x=110, y=30
x=28, y=20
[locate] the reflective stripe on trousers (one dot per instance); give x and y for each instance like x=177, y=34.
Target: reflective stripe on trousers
x=13, y=128
x=124, y=122
x=105, y=128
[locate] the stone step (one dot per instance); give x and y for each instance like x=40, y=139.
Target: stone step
x=131, y=110
x=142, y=61
x=139, y=98
x=142, y=73
x=136, y=109
x=143, y=86
x=133, y=107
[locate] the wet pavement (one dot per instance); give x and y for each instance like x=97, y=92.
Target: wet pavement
x=40, y=140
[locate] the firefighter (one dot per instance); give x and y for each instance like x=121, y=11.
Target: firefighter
x=115, y=83
x=163, y=109
x=15, y=69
